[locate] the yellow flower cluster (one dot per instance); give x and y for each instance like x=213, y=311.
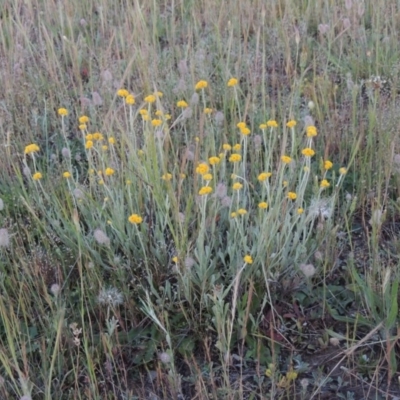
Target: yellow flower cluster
x=201, y=85
x=31, y=148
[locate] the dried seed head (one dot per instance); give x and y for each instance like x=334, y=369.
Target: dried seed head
x=101, y=237
x=4, y=238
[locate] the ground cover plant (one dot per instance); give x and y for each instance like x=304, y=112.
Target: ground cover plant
x=199, y=200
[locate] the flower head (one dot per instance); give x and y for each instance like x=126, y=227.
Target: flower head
x=237, y=147
x=205, y=190
x=182, y=104
x=36, y=176
x=208, y=110
x=110, y=297
x=226, y=146
x=201, y=85
x=263, y=205
x=232, y=82
x=83, y=119
x=328, y=164
x=342, y=171
x=237, y=186
x=130, y=99
x=67, y=175
x=214, y=160
x=311, y=131
x=31, y=148
x=272, y=123
x=291, y=124
x=242, y=211
x=241, y=125
x=88, y=144
x=245, y=131
x=235, y=158
x=264, y=176
x=135, y=219
x=324, y=183
x=248, y=259
x=307, y=152
x=109, y=171
x=167, y=177
x=202, y=168
x=207, y=177
x=286, y=159
x=156, y=122
x=63, y=112
x=292, y=196
x=150, y=98
x=122, y=93
x=101, y=237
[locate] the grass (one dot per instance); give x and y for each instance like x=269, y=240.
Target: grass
x=199, y=200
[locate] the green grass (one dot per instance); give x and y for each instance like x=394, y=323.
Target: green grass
x=128, y=273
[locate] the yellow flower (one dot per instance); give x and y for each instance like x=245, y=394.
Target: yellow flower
x=291, y=375
x=167, y=117
x=140, y=153
x=150, y=98
x=235, y=157
x=158, y=113
x=292, y=195
x=263, y=205
x=130, y=99
x=342, y=171
x=245, y=131
x=111, y=140
x=82, y=127
x=159, y=94
x=31, y=148
x=214, y=160
x=36, y=176
x=286, y=159
x=109, y=171
x=248, y=259
x=306, y=169
x=237, y=186
x=207, y=177
x=233, y=214
x=128, y=182
x=201, y=85
x=263, y=126
x=264, y=176
x=232, y=82
x=272, y=123
x=175, y=259
x=311, y=131
x=143, y=111
x=226, y=146
x=146, y=117
x=88, y=145
x=156, y=122
x=328, y=164
x=205, y=190
x=325, y=183
x=241, y=211
x=182, y=104
x=122, y=93
x=268, y=372
x=291, y=124
x=241, y=125
x=135, y=219
x=83, y=119
x=63, y=112
x=202, y=168
x=237, y=147
x=300, y=210
x=98, y=136
x=182, y=175
x=307, y=152
x=89, y=136
x=208, y=110
x=167, y=177
x=66, y=175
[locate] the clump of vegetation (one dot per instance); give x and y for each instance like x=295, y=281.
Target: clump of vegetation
x=199, y=202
